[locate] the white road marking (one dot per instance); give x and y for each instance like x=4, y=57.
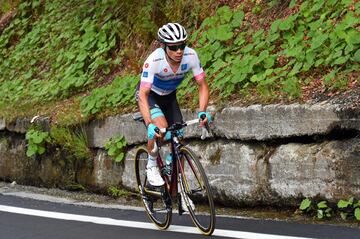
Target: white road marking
x=142, y=225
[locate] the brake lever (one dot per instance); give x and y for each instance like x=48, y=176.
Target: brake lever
x=204, y=130
x=157, y=142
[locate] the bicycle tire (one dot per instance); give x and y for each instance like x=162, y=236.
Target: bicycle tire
x=195, y=184
x=158, y=212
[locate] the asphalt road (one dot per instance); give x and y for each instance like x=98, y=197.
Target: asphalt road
x=24, y=218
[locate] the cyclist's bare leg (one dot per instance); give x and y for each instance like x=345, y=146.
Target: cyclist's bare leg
x=160, y=122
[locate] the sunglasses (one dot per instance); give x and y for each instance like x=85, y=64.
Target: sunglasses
x=177, y=47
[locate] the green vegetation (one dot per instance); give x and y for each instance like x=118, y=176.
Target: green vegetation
x=36, y=142
x=116, y=148
x=73, y=141
x=75, y=187
x=84, y=57
x=347, y=209
x=320, y=36
x=7, y=5
x=115, y=192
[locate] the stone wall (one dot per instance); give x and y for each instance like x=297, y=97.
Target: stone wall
x=258, y=154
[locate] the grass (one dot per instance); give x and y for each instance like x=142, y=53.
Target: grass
x=72, y=140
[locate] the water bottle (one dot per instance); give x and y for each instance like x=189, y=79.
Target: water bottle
x=168, y=163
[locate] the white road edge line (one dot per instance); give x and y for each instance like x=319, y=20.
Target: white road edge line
x=142, y=225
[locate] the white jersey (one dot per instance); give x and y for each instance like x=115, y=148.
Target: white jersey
x=158, y=75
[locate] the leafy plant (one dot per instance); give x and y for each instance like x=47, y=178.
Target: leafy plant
x=53, y=50
x=346, y=208
x=323, y=210
x=36, y=142
x=305, y=205
x=349, y=208
x=116, y=148
x=110, y=97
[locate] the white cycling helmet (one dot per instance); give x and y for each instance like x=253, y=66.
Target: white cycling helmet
x=172, y=33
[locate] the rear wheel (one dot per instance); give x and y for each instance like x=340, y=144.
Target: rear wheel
x=156, y=200
x=195, y=186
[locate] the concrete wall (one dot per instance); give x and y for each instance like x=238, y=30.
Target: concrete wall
x=259, y=154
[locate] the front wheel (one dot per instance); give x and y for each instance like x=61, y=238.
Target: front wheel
x=195, y=191
x=156, y=200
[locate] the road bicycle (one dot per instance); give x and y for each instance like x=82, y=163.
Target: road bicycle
x=185, y=179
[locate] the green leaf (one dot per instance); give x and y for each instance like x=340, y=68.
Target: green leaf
x=318, y=40
x=322, y=205
x=286, y=24
x=269, y=62
x=41, y=150
x=327, y=80
x=341, y=60
x=119, y=158
x=343, y=204
x=275, y=26
x=31, y=150
x=328, y=212
x=120, y=145
x=317, y=6
x=320, y=214
x=343, y=215
x=224, y=33
x=237, y=19
x=357, y=214
x=112, y=151
x=102, y=36
x=263, y=55
x=37, y=138
x=82, y=56
x=248, y=48
x=319, y=62
x=225, y=14
x=273, y=37
x=296, y=69
x=353, y=37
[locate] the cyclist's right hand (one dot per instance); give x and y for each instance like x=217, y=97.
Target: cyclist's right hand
x=205, y=118
x=151, y=131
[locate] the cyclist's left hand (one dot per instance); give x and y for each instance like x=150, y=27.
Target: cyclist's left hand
x=208, y=118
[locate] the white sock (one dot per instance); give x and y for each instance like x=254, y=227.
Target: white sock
x=151, y=161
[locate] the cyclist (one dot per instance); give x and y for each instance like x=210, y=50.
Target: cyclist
x=163, y=71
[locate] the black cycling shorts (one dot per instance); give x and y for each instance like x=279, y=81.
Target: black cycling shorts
x=163, y=105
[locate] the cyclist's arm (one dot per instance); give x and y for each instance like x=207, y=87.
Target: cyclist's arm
x=203, y=93
x=199, y=76
x=144, y=104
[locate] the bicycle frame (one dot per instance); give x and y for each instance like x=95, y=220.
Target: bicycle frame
x=172, y=182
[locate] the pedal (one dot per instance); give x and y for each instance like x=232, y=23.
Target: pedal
x=167, y=199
